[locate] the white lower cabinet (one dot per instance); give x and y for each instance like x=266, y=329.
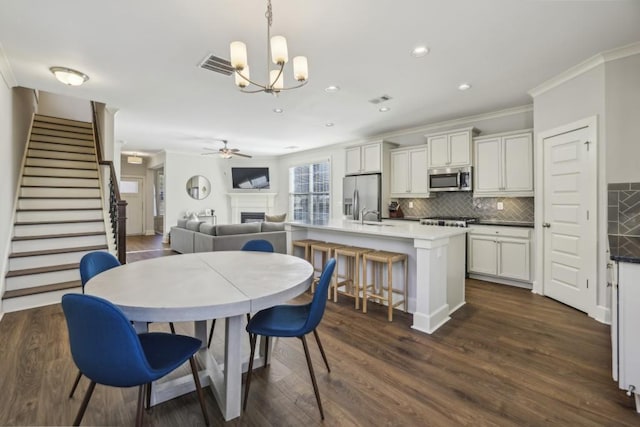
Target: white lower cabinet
x=501, y=252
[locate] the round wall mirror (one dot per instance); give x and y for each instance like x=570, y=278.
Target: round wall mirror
x=198, y=187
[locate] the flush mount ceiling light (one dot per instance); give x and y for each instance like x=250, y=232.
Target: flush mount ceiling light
x=464, y=86
x=134, y=160
x=68, y=76
x=419, y=51
x=277, y=51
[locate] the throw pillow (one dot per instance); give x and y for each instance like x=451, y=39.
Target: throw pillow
x=275, y=218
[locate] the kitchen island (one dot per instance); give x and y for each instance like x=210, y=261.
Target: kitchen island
x=436, y=258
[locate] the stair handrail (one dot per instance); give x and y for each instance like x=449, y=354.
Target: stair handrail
x=117, y=206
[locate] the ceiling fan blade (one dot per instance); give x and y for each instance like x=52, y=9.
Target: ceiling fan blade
x=241, y=155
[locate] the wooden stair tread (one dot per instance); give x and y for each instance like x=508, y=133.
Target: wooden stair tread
x=61, y=159
x=53, y=119
x=42, y=289
x=57, y=197
x=58, y=167
x=66, y=221
x=58, y=187
x=58, y=251
x=57, y=209
x=40, y=270
x=63, y=127
x=56, y=236
x=61, y=151
x=56, y=176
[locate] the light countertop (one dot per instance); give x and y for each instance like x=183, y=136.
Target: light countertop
x=388, y=228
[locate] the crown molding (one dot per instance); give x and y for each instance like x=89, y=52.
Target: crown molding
x=459, y=122
x=6, y=71
x=584, y=66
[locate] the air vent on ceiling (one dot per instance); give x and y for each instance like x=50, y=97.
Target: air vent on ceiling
x=380, y=99
x=217, y=65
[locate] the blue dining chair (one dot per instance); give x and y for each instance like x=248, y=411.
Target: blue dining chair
x=107, y=350
x=293, y=321
x=256, y=245
x=91, y=265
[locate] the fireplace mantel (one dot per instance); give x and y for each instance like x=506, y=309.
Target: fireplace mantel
x=250, y=202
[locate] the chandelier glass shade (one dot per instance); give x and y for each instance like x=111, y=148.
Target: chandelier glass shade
x=278, y=53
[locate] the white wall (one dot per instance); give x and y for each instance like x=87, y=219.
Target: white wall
x=17, y=106
x=63, y=106
x=579, y=98
x=622, y=105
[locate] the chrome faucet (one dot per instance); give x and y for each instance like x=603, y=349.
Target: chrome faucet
x=364, y=213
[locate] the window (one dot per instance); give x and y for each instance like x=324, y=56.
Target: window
x=309, y=192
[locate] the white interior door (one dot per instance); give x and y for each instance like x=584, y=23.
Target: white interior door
x=570, y=223
x=131, y=190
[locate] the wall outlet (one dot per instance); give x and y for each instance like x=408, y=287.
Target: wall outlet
x=410, y=204
x=500, y=206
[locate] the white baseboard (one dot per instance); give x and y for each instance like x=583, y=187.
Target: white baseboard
x=602, y=314
x=501, y=281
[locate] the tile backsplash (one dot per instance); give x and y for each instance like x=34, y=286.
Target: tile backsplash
x=463, y=204
x=623, y=209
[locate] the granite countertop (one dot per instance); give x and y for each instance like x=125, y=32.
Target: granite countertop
x=505, y=223
x=624, y=248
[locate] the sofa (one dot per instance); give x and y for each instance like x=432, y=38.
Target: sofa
x=191, y=236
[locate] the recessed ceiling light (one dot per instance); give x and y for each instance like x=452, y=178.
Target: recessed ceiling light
x=419, y=51
x=464, y=86
x=384, y=109
x=328, y=124
x=68, y=76
x=291, y=147
x=278, y=110
x=332, y=89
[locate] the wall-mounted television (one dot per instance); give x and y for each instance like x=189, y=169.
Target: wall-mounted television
x=248, y=178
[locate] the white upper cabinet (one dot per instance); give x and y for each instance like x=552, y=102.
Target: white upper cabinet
x=409, y=172
x=364, y=158
x=503, y=165
x=451, y=149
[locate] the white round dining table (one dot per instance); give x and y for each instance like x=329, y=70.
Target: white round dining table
x=200, y=287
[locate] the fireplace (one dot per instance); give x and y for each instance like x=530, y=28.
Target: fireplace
x=251, y=217
x=253, y=202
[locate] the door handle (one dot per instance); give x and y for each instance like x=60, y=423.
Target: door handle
x=546, y=225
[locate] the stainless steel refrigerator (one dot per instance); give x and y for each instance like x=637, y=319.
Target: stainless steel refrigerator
x=362, y=193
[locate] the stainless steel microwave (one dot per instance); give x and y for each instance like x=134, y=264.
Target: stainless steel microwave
x=450, y=179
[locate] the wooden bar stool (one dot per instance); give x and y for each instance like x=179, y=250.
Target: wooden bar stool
x=376, y=289
x=304, y=244
x=350, y=285
x=326, y=250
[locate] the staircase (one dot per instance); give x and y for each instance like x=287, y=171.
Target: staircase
x=59, y=214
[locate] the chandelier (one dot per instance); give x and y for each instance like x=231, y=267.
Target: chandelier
x=277, y=50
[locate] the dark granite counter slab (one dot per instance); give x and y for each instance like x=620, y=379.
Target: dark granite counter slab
x=624, y=248
x=505, y=223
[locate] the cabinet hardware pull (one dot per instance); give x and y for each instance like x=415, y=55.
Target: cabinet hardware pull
x=546, y=225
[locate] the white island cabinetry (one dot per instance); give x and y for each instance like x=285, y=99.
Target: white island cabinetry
x=436, y=270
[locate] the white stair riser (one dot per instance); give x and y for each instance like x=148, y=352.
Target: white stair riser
x=45, y=229
x=63, y=127
x=69, y=141
x=41, y=279
x=58, y=192
x=58, y=203
x=61, y=155
x=60, y=172
x=61, y=163
x=58, y=215
x=60, y=147
x=57, y=243
x=60, y=182
x=22, y=263
x=37, y=300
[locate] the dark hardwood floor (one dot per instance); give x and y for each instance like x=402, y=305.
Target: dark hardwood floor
x=507, y=358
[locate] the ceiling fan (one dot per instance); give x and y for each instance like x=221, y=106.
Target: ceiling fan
x=226, y=152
